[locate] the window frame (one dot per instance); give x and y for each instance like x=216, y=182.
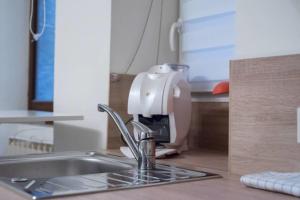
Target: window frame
x=32, y=103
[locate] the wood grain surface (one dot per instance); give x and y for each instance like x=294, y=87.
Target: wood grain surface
x=264, y=96
x=118, y=100
x=209, y=126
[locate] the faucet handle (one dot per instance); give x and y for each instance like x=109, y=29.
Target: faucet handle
x=144, y=132
x=146, y=146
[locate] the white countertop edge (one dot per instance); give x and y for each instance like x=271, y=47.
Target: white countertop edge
x=28, y=116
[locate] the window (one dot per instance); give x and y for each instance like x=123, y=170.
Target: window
x=207, y=40
x=41, y=75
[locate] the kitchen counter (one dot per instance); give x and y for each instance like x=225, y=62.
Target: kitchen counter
x=33, y=116
x=226, y=188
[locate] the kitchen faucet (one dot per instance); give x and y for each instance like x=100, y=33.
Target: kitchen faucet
x=143, y=150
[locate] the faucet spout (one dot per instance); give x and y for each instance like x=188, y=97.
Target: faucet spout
x=144, y=150
x=122, y=127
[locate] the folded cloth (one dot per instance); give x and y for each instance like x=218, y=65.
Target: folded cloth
x=288, y=183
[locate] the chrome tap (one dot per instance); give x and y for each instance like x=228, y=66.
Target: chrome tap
x=144, y=149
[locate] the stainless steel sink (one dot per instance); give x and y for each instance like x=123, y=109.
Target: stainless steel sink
x=59, y=166
x=52, y=175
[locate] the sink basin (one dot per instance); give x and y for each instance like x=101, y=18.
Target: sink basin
x=60, y=174
x=59, y=166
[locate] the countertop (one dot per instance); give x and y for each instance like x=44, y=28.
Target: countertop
x=226, y=188
x=30, y=116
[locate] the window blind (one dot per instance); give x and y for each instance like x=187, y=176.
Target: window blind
x=207, y=40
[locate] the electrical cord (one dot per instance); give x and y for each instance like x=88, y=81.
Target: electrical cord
x=141, y=39
x=36, y=36
x=126, y=123
x=129, y=120
x=160, y=23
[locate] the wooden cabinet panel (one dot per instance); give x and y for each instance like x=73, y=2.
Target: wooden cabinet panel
x=264, y=96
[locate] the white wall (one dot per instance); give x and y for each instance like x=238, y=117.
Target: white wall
x=267, y=28
x=128, y=21
x=14, y=47
x=14, y=65
x=82, y=52
x=170, y=14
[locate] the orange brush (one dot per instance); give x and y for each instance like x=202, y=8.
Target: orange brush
x=221, y=88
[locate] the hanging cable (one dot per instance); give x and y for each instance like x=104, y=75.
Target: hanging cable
x=159, y=34
x=36, y=36
x=141, y=39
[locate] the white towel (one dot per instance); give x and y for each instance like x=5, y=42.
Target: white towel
x=288, y=183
